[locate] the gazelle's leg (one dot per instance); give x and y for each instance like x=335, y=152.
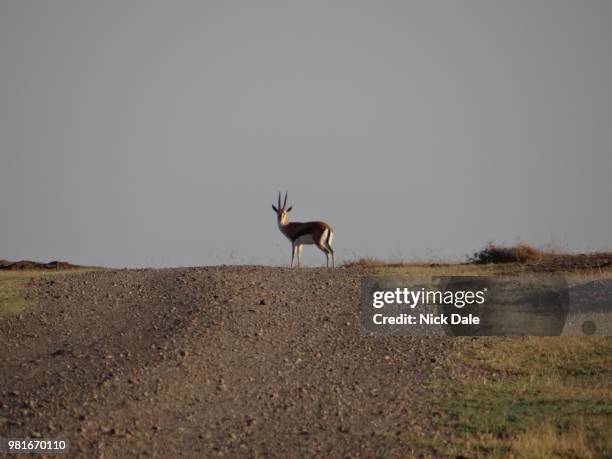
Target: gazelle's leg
x=328, y=248
x=293, y=252
x=299, y=253
x=323, y=247
x=330, y=251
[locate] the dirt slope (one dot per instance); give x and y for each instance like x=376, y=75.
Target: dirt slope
x=207, y=362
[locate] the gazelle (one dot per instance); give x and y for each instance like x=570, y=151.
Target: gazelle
x=318, y=233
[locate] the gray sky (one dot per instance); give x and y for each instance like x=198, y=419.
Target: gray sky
x=149, y=133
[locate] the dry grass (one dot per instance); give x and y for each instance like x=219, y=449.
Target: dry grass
x=370, y=263
x=12, y=295
x=519, y=253
x=13, y=286
x=376, y=267
x=547, y=441
x=376, y=263
x=518, y=260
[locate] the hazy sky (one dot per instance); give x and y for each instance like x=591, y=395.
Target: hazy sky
x=150, y=133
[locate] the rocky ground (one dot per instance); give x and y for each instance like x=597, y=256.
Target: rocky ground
x=210, y=362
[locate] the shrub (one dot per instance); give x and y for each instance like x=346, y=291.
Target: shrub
x=519, y=253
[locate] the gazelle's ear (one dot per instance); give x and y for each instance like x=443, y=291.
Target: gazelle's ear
x=275, y=209
x=289, y=209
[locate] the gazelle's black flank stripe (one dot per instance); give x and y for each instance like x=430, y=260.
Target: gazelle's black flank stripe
x=307, y=228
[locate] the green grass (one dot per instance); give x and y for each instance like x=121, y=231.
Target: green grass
x=523, y=397
x=13, y=288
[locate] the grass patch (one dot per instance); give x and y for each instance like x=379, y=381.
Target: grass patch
x=365, y=262
x=373, y=263
x=13, y=286
x=517, y=260
x=524, y=397
x=376, y=267
x=420, y=268
x=519, y=253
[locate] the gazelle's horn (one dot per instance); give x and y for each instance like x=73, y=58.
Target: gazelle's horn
x=279, y=206
x=285, y=202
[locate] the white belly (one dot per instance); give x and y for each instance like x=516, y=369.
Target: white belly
x=306, y=239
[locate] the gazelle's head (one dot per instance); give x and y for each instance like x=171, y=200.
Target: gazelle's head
x=282, y=211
